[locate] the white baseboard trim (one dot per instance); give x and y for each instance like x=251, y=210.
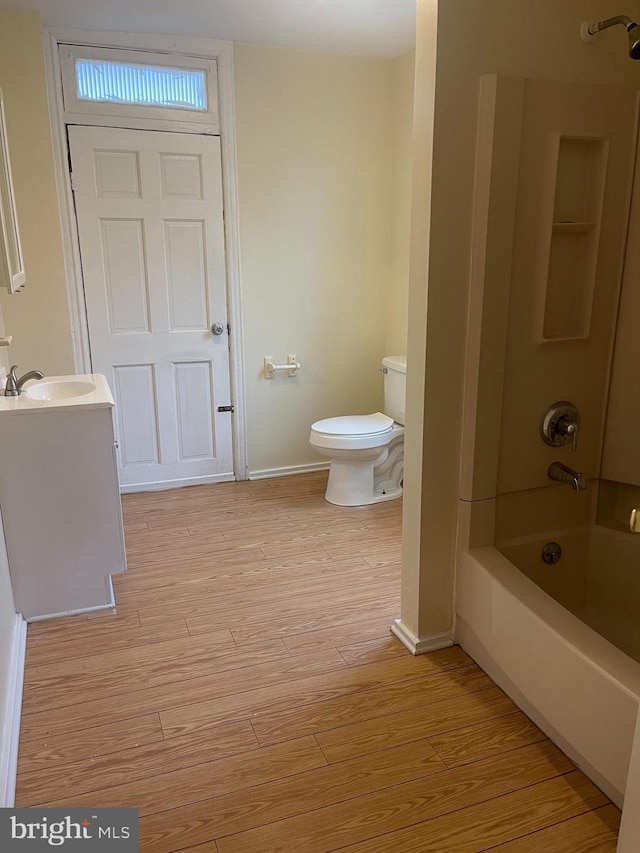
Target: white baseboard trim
x=176, y=484
x=10, y=726
x=108, y=605
x=420, y=645
x=288, y=470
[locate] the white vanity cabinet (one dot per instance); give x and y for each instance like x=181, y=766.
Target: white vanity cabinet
x=60, y=501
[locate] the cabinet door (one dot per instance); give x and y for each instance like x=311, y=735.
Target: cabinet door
x=61, y=510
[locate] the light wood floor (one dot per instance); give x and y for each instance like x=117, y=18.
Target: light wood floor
x=247, y=696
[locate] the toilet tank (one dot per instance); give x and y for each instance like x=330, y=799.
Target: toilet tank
x=394, y=368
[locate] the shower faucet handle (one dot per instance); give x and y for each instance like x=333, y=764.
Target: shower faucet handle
x=570, y=430
x=560, y=425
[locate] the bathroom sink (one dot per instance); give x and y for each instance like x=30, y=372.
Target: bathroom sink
x=78, y=392
x=59, y=389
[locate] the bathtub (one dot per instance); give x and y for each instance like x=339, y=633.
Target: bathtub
x=562, y=640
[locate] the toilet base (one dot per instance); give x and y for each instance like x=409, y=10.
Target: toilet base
x=359, y=483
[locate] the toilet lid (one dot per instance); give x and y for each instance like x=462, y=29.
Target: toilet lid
x=354, y=425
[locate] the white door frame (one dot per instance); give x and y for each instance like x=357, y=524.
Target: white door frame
x=222, y=53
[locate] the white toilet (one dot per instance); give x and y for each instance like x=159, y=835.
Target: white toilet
x=367, y=451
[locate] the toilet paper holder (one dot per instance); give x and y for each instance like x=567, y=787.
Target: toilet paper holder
x=290, y=368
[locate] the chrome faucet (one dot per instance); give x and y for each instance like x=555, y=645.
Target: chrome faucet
x=563, y=474
x=14, y=385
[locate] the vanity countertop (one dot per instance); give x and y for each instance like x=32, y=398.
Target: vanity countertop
x=60, y=395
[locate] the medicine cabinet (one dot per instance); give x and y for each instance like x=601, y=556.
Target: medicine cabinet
x=12, y=275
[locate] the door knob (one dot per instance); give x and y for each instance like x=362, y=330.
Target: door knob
x=217, y=329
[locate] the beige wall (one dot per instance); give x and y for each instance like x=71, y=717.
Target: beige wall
x=323, y=229
x=315, y=146
x=38, y=316
x=7, y=649
x=423, y=587
x=7, y=609
x=15, y=26
x=403, y=71
x=475, y=37
x=4, y=351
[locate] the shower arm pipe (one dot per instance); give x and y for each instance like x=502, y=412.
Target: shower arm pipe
x=611, y=22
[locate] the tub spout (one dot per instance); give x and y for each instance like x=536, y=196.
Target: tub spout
x=563, y=474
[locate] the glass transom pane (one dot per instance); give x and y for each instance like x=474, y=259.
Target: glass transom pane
x=153, y=86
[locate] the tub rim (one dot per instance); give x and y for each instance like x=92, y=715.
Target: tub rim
x=611, y=661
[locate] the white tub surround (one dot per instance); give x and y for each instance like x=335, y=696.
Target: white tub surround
x=554, y=168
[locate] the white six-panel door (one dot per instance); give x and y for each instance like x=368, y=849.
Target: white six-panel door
x=149, y=210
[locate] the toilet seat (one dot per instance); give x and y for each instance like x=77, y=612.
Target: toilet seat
x=354, y=424
x=352, y=431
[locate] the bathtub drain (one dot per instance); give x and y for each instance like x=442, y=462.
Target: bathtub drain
x=551, y=553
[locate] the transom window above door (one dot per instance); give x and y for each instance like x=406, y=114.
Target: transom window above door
x=137, y=89
x=128, y=83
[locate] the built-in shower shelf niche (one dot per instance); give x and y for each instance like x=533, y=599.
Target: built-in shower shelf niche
x=574, y=238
